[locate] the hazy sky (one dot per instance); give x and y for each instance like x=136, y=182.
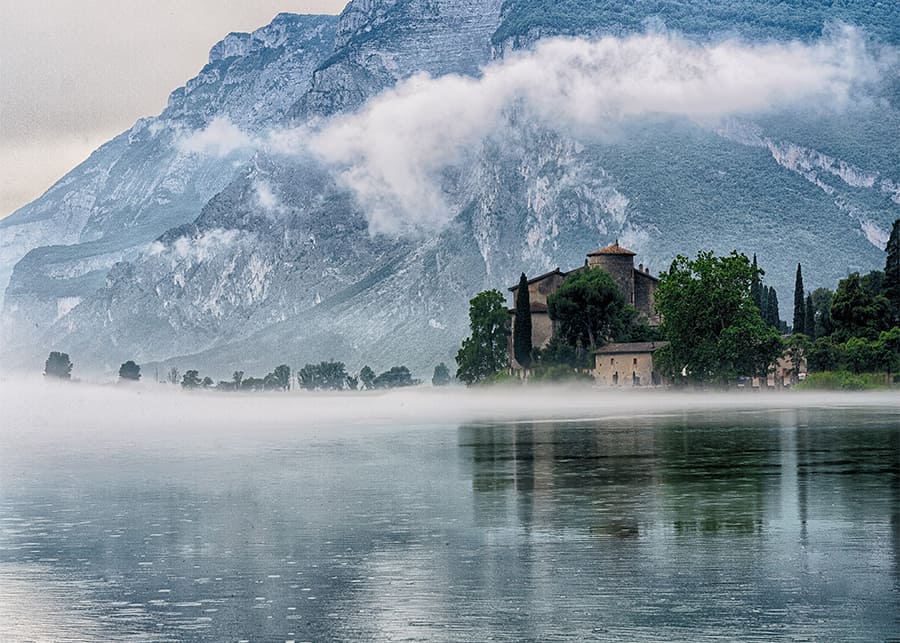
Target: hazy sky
x=73, y=73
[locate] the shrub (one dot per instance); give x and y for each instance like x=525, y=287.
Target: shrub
x=843, y=381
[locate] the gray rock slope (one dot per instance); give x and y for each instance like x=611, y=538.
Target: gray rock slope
x=141, y=183
x=264, y=259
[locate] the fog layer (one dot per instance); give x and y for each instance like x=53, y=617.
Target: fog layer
x=39, y=410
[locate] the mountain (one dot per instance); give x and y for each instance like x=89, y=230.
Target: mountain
x=246, y=257
x=142, y=183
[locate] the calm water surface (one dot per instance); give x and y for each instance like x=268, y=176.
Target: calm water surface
x=769, y=526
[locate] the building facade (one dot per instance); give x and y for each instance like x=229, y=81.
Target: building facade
x=629, y=365
x=636, y=284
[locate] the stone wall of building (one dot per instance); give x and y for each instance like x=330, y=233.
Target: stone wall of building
x=541, y=332
x=644, y=292
x=540, y=290
x=626, y=365
x=621, y=268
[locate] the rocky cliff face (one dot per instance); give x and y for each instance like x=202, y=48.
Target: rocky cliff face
x=235, y=259
x=382, y=41
x=143, y=182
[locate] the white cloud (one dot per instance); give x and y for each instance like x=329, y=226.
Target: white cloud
x=194, y=249
x=392, y=152
x=266, y=198
x=220, y=138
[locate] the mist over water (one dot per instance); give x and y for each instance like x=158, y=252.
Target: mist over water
x=152, y=514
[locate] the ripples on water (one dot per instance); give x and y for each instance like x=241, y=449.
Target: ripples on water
x=780, y=525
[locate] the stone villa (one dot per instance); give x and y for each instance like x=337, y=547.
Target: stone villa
x=636, y=283
x=627, y=364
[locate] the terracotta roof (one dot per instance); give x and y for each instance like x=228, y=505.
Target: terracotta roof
x=634, y=347
x=542, y=277
x=612, y=249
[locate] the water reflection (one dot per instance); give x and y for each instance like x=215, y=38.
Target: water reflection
x=777, y=521
x=690, y=526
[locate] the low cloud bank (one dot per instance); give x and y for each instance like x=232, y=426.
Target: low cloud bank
x=391, y=153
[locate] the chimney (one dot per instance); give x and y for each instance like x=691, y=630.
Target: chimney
x=640, y=267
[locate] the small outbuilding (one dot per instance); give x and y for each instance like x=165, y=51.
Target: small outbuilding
x=627, y=364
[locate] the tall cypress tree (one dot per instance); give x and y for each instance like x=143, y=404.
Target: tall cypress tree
x=764, y=302
x=809, y=324
x=799, y=321
x=755, y=287
x=522, y=329
x=772, y=309
x=892, y=270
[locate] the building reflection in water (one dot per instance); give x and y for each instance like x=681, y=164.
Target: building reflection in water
x=688, y=474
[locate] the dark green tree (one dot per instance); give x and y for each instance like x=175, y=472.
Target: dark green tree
x=809, y=323
x=367, y=377
x=441, y=375
x=484, y=353
x=822, y=298
x=172, y=376
x=207, y=382
x=888, y=350
x=58, y=365
x=892, y=271
x=587, y=308
x=559, y=352
x=129, y=371
x=823, y=355
x=252, y=384
x=714, y=329
x=857, y=312
x=282, y=375
x=397, y=377
x=799, y=321
x=237, y=378
x=774, y=315
x=756, y=286
x=522, y=347
x=352, y=382
x=325, y=376
x=191, y=379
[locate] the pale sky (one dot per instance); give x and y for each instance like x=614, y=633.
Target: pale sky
x=74, y=73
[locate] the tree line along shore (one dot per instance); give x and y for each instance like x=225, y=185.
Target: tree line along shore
x=719, y=325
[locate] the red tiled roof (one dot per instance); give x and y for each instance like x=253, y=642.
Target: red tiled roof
x=612, y=249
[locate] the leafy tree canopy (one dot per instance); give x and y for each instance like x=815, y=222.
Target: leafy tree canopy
x=325, y=376
x=441, y=375
x=397, y=377
x=367, y=377
x=714, y=329
x=58, y=365
x=191, y=379
x=858, y=309
x=484, y=353
x=587, y=308
x=129, y=371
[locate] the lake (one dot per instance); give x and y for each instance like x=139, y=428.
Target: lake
x=671, y=524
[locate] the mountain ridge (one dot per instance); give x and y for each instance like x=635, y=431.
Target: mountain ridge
x=278, y=264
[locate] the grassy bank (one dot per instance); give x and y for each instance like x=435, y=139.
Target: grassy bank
x=845, y=381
